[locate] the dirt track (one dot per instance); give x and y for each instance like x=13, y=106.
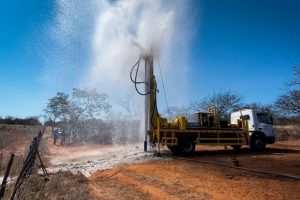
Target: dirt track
x=177, y=179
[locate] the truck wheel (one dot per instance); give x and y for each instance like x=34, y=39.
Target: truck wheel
x=175, y=149
x=236, y=147
x=188, y=147
x=258, y=144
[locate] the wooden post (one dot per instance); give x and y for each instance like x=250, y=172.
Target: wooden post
x=3, y=185
x=46, y=175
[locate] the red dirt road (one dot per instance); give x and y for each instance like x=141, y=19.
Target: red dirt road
x=177, y=179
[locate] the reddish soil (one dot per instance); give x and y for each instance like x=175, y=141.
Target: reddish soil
x=15, y=141
x=178, y=179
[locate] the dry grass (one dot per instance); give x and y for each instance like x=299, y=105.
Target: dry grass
x=287, y=132
x=9, y=135
x=15, y=168
x=15, y=141
x=61, y=186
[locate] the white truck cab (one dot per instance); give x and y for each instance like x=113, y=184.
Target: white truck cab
x=260, y=127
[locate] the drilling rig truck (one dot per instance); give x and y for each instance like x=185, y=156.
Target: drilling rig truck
x=247, y=126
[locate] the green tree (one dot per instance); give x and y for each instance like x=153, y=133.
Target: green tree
x=74, y=112
x=57, y=107
x=85, y=104
x=88, y=103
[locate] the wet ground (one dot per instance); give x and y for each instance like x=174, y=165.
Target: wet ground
x=87, y=159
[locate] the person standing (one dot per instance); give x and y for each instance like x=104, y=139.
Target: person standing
x=63, y=137
x=55, y=135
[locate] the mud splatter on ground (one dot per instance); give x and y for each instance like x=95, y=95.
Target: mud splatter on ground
x=87, y=159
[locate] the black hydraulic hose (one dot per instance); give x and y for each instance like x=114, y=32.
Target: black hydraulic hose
x=136, y=67
x=134, y=80
x=137, y=82
x=131, y=71
x=241, y=168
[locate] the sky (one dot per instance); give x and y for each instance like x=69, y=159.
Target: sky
x=248, y=46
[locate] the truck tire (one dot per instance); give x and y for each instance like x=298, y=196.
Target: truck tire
x=188, y=147
x=236, y=147
x=257, y=143
x=175, y=149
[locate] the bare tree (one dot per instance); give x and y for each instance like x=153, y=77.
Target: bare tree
x=175, y=111
x=129, y=105
x=296, y=79
x=258, y=106
x=225, y=102
x=289, y=103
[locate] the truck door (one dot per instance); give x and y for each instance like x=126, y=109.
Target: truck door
x=265, y=124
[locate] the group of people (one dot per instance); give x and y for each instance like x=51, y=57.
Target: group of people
x=59, y=133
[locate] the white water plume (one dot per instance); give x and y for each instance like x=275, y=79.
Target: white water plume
x=118, y=32
x=125, y=29
x=111, y=35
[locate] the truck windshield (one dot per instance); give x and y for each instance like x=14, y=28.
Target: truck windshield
x=264, y=118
